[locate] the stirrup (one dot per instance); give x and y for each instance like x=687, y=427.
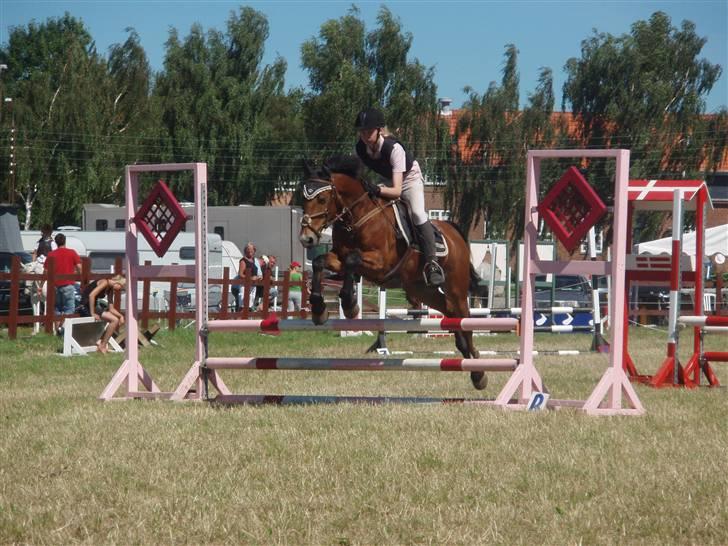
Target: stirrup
x=433, y=274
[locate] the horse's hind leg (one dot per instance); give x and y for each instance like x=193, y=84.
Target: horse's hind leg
x=464, y=344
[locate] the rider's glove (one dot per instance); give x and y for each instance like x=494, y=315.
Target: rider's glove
x=373, y=190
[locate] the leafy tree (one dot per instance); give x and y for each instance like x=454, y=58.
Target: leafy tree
x=486, y=173
x=351, y=69
x=644, y=91
x=220, y=105
x=67, y=106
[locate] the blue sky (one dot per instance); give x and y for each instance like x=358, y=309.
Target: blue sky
x=463, y=40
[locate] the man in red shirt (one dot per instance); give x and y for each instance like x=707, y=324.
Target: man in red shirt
x=67, y=262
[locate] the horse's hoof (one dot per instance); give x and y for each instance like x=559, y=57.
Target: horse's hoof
x=479, y=379
x=352, y=313
x=319, y=319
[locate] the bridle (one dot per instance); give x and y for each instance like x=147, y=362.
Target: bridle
x=346, y=217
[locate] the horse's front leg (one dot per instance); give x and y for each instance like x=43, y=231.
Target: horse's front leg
x=330, y=261
x=347, y=295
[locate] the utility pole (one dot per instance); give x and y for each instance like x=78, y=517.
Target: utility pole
x=12, y=164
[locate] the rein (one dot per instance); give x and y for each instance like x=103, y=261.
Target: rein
x=345, y=211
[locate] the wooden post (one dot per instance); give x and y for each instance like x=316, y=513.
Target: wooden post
x=172, y=316
x=224, y=293
x=51, y=295
x=14, y=298
x=146, y=286
x=285, y=289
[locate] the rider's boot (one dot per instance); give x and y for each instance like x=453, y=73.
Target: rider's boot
x=433, y=273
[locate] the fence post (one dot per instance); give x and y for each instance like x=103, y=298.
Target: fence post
x=224, y=293
x=172, y=317
x=146, y=287
x=50, y=295
x=284, y=293
x=14, y=298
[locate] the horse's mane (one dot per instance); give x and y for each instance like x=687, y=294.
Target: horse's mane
x=349, y=165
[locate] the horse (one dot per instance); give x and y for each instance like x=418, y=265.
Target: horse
x=365, y=243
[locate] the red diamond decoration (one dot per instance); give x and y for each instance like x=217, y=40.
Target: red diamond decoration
x=160, y=218
x=571, y=208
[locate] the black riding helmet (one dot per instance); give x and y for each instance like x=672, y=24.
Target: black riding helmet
x=371, y=118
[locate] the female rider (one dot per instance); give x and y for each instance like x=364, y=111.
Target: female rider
x=385, y=155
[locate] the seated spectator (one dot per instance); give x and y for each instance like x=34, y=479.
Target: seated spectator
x=97, y=301
x=45, y=244
x=237, y=290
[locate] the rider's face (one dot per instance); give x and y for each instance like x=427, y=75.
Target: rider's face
x=369, y=136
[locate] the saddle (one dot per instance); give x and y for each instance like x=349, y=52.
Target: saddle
x=404, y=229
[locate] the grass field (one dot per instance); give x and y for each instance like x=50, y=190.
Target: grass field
x=75, y=470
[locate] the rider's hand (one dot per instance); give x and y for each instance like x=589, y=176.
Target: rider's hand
x=96, y=317
x=373, y=190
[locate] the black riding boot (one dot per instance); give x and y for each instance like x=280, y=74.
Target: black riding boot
x=433, y=273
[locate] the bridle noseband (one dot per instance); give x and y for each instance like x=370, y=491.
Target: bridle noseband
x=345, y=217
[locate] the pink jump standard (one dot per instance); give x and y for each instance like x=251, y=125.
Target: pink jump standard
x=131, y=371
x=614, y=388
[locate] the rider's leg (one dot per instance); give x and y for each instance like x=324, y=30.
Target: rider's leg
x=414, y=194
x=432, y=271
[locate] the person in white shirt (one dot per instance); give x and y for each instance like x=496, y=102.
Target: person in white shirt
x=386, y=155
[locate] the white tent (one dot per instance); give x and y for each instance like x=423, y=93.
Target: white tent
x=716, y=241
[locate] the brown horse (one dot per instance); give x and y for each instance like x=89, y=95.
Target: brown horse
x=365, y=243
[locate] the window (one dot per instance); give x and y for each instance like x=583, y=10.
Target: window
x=439, y=214
x=187, y=253
x=102, y=225
x=103, y=262
x=220, y=231
x=120, y=224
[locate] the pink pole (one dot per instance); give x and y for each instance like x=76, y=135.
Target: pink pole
x=391, y=325
x=366, y=364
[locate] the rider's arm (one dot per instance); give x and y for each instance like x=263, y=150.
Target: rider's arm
x=399, y=161
x=396, y=190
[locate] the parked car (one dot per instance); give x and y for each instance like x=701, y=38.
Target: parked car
x=569, y=291
x=24, y=304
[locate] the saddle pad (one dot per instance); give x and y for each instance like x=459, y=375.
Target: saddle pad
x=405, y=229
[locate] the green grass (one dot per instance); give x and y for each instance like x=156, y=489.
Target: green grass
x=76, y=470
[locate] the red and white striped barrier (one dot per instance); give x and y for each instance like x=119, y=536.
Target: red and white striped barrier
x=483, y=311
x=274, y=325
x=365, y=364
x=704, y=321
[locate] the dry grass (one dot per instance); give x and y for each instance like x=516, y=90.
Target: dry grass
x=74, y=470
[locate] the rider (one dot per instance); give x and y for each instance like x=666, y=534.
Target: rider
x=385, y=155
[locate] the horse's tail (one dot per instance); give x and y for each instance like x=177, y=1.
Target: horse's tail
x=475, y=279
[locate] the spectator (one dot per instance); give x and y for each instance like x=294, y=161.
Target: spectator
x=252, y=264
x=97, y=301
x=67, y=262
x=267, y=264
x=45, y=243
x=236, y=289
x=294, y=292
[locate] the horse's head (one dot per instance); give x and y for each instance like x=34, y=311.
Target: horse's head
x=328, y=195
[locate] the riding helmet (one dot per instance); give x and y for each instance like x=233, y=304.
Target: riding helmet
x=371, y=118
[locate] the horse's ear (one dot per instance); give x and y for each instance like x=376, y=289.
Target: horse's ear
x=307, y=169
x=326, y=172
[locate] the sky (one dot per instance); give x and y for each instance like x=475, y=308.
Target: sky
x=463, y=40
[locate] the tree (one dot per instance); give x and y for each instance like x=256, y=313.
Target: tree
x=67, y=106
x=350, y=69
x=219, y=105
x=644, y=91
x=487, y=172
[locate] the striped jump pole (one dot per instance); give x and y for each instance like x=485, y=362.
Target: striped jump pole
x=484, y=311
x=561, y=352
x=671, y=372
x=563, y=328
x=365, y=364
x=704, y=321
x=274, y=325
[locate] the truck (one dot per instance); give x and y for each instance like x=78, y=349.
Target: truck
x=273, y=230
